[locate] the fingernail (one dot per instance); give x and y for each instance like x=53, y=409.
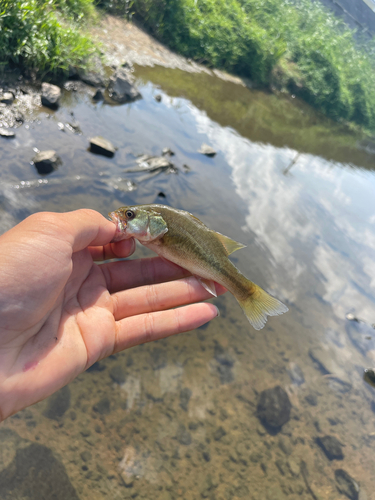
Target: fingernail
x=218, y=312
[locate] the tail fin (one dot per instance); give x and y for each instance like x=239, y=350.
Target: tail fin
x=259, y=305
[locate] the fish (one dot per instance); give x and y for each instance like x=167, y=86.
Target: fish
x=180, y=237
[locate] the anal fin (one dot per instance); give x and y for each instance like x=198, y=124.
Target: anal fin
x=208, y=285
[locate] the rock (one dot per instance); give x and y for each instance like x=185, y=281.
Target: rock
x=369, y=376
x=5, y=132
x=101, y=146
x=273, y=408
x=346, y=484
x=93, y=78
x=99, y=366
x=50, y=95
x=331, y=447
x=34, y=474
x=117, y=374
x=285, y=445
x=7, y=98
x=293, y=467
x=311, y=399
x=121, y=88
x=159, y=358
x=71, y=86
x=219, y=433
x=46, y=161
x=225, y=364
x=183, y=436
x=296, y=374
x=207, y=150
x=157, y=97
x=185, y=396
x=98, y=96
x=86, y=456
x=103, y=406
x=58, y=404
x=167, y=151
x=162, y=195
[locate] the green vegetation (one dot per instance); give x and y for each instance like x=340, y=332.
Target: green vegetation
x=43, y=35
x=292, y=45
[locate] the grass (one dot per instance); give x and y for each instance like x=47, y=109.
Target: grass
x=44, y=36
x=291, y=45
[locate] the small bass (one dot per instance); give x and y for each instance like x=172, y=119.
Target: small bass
x=180, y=237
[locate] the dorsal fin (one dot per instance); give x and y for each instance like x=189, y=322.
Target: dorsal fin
x=229, y=244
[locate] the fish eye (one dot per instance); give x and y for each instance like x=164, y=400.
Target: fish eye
x=129, y=214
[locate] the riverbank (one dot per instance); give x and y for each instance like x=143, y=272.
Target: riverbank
x=298, y=48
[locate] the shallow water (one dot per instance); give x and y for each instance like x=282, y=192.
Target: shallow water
x=177, y=419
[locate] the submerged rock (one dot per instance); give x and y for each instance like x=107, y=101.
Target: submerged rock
x=50, y=95
x=185, y=396
x=346, y=484
x=157, y=97
x=58, y=404
x=296, y=374
x=103, y=406
x=46, y=161
x=207, y=150
x=273, y=408
x=331, y=447
x=35, y=473
x=101, y=146
x=117, y=374
x=121, y=87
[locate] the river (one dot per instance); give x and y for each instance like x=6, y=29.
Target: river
x=177, y=419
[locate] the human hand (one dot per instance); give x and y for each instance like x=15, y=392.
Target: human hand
x=60, y=312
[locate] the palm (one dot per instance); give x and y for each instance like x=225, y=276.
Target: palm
x=65, y=312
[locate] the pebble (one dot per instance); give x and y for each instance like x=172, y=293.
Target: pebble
x=273, y=408
x=185, y=396
x=46, y=161
x=346, y=484
x=183, y=435
x=219, y=433
x=86, y=456
x=5, y=132
x=103, y=407
x=207, y=150
x=296, y=374
x=331, y=447
x=50, y=95
x=117, y=374
x=58, y=404
x=7, y=98
x=101, y=146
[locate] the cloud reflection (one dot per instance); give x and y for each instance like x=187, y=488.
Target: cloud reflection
x=315, y=221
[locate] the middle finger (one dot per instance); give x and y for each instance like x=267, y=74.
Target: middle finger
x=160, y=297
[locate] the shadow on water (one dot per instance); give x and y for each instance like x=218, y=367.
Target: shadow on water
x=178, y=419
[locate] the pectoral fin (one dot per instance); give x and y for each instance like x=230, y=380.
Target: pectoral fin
x=209, y=285
x=229, y=244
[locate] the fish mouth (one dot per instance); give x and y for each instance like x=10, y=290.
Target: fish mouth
x=121, y=224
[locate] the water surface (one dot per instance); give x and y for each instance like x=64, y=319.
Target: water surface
x=180, y=422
